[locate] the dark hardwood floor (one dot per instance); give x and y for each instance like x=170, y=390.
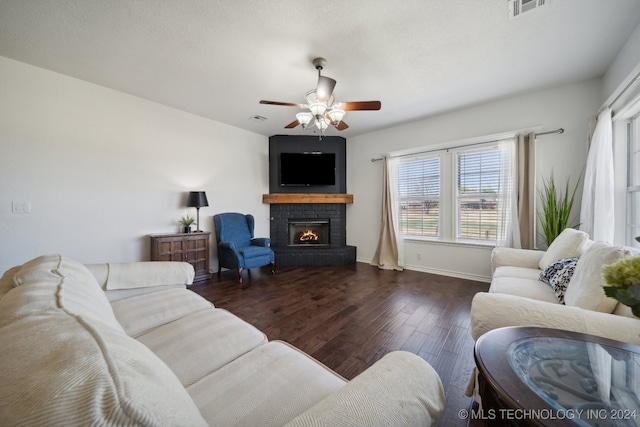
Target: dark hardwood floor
x=348, y=317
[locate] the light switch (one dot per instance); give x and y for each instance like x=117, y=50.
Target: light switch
x=21, y=207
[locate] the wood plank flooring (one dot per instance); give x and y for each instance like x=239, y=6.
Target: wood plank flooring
x=348, y=317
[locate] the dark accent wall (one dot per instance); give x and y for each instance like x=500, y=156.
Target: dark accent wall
x=337, y=252
x=301, y=144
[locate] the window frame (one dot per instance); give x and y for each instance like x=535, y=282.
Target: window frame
x=633, y=181
x=448, y=184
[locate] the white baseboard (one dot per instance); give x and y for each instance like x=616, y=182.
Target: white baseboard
x=440, y=272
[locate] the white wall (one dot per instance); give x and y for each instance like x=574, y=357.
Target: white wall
x=568, y=107
x=623, y=67
x=103, y=169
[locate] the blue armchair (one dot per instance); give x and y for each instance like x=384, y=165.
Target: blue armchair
x=237, y=248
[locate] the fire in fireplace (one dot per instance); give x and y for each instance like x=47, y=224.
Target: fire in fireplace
x=308, y=232
x=308, y=236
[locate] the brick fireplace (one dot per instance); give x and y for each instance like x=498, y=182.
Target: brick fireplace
x=328, y=220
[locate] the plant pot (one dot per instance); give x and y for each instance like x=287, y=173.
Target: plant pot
x=186, y=229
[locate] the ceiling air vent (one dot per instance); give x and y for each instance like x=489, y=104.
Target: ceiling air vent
x=519, y=7
x=258, y=118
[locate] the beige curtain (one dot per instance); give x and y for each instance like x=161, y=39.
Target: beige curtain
x=526, y=189
x=387, y=254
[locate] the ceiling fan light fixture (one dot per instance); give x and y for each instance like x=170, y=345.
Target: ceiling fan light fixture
x=304, y=119
x=322, y=111
x=322, y=124
x=318, y=109
x=336, y=115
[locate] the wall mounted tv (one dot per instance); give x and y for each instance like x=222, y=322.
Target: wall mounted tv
x=307, y=169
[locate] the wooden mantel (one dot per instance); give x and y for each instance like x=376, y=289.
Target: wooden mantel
x=307, y=198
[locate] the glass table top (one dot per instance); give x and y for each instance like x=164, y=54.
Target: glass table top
x=592, y=384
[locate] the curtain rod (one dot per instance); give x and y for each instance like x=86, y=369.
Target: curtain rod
x=635, y=80
x=559, y=130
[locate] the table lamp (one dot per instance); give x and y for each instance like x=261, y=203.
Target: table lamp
x=197, y=199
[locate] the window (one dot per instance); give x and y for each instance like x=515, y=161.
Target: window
x=419, y=196
x=459, y=194
x=478, y=174
x=633, y=181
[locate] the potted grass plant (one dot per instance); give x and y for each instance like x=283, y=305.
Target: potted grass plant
x=186, y=222
x=556, y=208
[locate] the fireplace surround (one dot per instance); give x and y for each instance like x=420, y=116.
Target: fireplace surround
x=329, y=218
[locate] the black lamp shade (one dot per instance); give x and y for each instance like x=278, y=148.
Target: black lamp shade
x=197, y=199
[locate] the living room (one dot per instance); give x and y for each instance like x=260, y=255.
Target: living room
x=116, y=167
x=91, y=168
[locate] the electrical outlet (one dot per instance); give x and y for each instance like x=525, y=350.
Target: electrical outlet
x=418, y=256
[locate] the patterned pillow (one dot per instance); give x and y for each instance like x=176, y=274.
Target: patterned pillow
x=558, y=274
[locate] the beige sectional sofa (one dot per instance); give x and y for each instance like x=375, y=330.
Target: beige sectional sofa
x=517, y=296
x=128, y=344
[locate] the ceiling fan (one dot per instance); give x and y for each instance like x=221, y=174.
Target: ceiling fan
x=322, y=110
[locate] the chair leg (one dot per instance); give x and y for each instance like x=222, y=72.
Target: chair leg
x=219, y=270
x=273, y=267
x=239, y=275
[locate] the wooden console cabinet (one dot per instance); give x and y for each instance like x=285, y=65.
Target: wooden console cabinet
x=189, y=247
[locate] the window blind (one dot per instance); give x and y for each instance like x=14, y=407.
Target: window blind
x=478, y=176
x=418, y=181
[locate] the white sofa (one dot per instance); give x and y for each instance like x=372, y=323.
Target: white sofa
x=517, y=297
x=128, y=344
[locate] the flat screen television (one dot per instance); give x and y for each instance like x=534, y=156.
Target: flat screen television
x=307, y=169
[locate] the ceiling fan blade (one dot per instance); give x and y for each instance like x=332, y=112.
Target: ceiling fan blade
x=325, y=88
x=292, y=124
x=359, y=105
x=284, y=104
x=342, y=125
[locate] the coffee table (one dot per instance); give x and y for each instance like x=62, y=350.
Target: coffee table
x=547, y=377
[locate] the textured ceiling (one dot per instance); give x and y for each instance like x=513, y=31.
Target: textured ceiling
x=218, y=58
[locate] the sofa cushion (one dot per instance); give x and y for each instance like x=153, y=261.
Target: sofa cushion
x=568, y=244
x=143, y=313
x=398, y=390
x=6, y=281
x=528, y=288
x=517, y=272
x=249, y=252
x=212, y=338
x=61, y=371
x=127, y=275
x=558, y=274
x=517, y=311
x=585, y=289
x=68, y=365
x=62, y=284
x=268, y=386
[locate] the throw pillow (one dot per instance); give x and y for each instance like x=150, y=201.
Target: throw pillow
x=568, y=244
x=586, y=285
x=558, y=274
